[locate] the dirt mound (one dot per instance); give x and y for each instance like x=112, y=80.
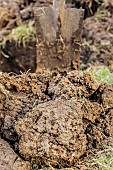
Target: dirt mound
x=9, y=160
x=25, y=92
x=54, y=119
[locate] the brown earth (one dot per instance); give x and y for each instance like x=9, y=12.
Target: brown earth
x=10, y=160
x=16, y=57
x=98, y=39
x=55, y=119
x=52, y=119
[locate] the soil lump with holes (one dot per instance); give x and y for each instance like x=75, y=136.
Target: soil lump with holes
x=54, y=118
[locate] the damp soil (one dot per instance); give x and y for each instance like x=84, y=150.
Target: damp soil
x=51, y=119
x=55, y=119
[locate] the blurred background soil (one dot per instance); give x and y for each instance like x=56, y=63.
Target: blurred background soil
x=18, y=37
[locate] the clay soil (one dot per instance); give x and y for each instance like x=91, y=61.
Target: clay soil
x=55, y=119
x=49, y=119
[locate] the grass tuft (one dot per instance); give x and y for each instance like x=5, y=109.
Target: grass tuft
x=102, y=74
x=22, y=34
x=102, y=160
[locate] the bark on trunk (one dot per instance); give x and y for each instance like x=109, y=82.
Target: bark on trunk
x=58, y=29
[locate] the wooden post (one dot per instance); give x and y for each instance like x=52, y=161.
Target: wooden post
x=58, y=29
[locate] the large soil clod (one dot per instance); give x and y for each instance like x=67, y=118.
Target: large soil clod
x=53, y=118
x=53, y=132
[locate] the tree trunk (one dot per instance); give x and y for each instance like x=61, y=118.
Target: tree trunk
x=58, y=29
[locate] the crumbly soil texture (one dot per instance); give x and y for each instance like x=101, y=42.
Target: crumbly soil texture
x=53, y=119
